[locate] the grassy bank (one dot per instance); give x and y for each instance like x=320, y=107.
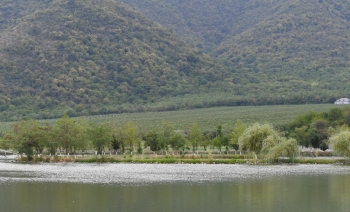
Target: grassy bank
x=197, y=159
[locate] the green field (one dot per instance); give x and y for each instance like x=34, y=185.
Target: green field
x=208, y=119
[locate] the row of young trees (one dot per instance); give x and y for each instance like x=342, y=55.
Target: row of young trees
x=319, y=130
x=69, y=135
x=78, y=135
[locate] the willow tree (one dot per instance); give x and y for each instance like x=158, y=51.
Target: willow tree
x=253, y=138
x=276, y=146
x=340, y=143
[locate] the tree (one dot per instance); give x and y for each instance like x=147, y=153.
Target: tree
x=26, y=136
x=206, y=140
x=48, y=136
x=101, y=136
x=313, y=136
x=4, y=144
x=68, y=133
x=340, y=143
x=225, y=141
x=115, y=143
x=152, y=141
x=195, y=136
x=218, y=140
x=276, y=146
x=165, y=135
x=302, y=136
x=83, y=143
x=132, y=136
x=178, y=141
x=120, y=137
x=217, y=143
x=253, y=138
x=335, y=116
x=237, y=131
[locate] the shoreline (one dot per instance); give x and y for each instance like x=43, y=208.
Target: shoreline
x=178, y=160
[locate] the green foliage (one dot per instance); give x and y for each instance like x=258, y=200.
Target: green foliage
x=264, y=139
x=336, y=116
x=101, y=57
x=26, y=136
x=302, y=135
x=314, y=129
x=132, y=139
x=119, y=134
x=280, y=52
x=68, y=133
x=115, y=143
x=178, y=141
x=100, y=136
x=340, y=143
x=92, y=62
x=165, y=136
x=254, y=137
x=152, y=141
x=217, y=143
x=195, y=136
x=276, y=147
x=238, y=130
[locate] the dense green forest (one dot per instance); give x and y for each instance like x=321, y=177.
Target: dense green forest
x=11, y=11
x=102, y=56
x=291, y=49
x=89, y=55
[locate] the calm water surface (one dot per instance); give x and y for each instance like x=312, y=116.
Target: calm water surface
x=180, y=187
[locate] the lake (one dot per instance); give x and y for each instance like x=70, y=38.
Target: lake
x=173, y=187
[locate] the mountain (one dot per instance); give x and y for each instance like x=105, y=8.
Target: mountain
x=12, y=10
x=92, y=57
x=306, y=39
x=278, y=51
x=110, y=56
x=202, y=22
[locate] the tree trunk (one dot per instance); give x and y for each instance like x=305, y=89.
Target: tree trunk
x=256, y=158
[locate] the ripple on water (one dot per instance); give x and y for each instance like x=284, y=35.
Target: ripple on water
x=142, y=174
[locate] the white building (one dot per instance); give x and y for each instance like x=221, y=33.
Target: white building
x=342, y=101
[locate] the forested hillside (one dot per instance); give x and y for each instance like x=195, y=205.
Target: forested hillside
x=295, y=49
x=306, y=39
x=93, y=56
x=13, y=10
x=102, y=56
x=203, y=22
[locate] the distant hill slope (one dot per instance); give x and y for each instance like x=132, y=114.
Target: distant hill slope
x=221, y=25
x=307, y=37
x=295, y=49
x=205, y=23
x=102, y=56
x=91, y=55
x=13, y=10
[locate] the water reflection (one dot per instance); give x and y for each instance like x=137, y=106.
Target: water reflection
x=174, y=188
